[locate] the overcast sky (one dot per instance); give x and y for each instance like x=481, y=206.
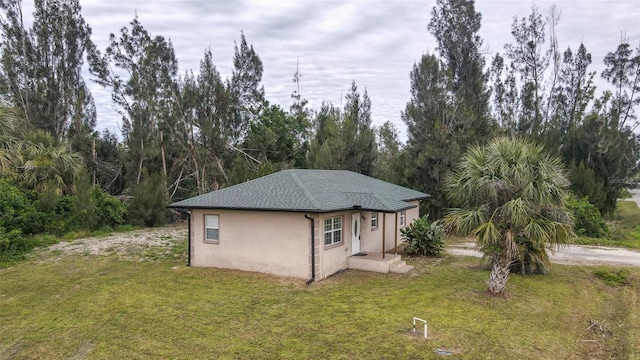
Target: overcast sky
x=374, y=42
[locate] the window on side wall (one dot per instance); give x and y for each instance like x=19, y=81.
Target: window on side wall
x=211, y=228
x=374, y=220
x=403, y=218
x=332, y=230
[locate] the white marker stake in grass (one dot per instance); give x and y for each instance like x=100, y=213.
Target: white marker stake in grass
x=425, y=326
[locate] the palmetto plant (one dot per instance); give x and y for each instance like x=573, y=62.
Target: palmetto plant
x=49, y=166
x=510, y=195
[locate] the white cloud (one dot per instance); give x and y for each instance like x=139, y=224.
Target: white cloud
x=374, y=42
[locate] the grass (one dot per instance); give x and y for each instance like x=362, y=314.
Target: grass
x=99, y=307
x=624, y=228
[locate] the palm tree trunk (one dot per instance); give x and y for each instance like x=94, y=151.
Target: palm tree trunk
x=499, y=274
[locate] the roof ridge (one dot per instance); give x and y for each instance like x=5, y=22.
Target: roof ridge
x=382, y=198
x=304, y=189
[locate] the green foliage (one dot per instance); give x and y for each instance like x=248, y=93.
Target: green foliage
x=13, y=246
x=613, y=277
x=448, y=110
x=109, y=211
x=532, y=257
x=345, y=140
x=41, y=66
x=432, y=150
x=49, y=165
x=603, y=160
x=587, y=220
x=423, y=237
x=17, y=209
x=388, y=165
x=511, y=196
x=149, y=202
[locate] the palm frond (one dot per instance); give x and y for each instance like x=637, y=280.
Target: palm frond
x=464, y=222
x=488, y=235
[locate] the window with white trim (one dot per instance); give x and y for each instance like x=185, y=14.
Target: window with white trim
x=332, y=230
x=403, y=217
x=374, y=220
x=211, y=228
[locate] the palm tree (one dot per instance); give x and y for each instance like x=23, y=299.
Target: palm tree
x=509, y=194
x=49, y=166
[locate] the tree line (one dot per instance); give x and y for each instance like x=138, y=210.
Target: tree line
x=188, y=133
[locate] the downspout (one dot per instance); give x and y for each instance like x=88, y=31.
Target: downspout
x=189, y=238
x=313, y=250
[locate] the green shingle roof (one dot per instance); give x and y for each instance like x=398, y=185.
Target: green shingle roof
x=308, y=191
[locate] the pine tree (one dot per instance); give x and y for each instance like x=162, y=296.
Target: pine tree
x=432, y=146
x=141, y=70
x=42, y=67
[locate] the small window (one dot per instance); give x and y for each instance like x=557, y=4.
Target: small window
x=403, y=216
x=211, y=228
x=333, y=230
x=374, y=220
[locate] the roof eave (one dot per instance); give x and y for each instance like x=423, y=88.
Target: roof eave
x=390, y=211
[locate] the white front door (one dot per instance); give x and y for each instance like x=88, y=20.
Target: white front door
x=355, y=233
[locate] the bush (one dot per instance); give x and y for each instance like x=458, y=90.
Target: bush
x=18, y=210
x=587, y=218
x=148, y=205
x=109, y=211
x=423, y=237
x=13, y=246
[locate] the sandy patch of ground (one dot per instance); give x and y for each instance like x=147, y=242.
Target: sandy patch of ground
x=569, y=255
x=123, y=245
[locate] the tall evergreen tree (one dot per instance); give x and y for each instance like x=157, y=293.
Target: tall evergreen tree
x=246, y=91
x=41, y=67
x=576, y=90
x=345, y=140
x=388, y=165
x=623, y=73
x=141, y=71
x=325, y=148
x=531, y=61
x=206, y=110
x=432, y=145
x=449, y=106
x=358, y=137
x=456, y=25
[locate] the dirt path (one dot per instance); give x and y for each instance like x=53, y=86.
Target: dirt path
x=570, y=255
x=125, y=245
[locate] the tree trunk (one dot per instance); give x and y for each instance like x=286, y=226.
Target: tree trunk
x=93, y=161
x=164, y=161
x=140, y=162
x=499, y=274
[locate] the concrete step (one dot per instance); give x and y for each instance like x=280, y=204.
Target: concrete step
x=400, y=267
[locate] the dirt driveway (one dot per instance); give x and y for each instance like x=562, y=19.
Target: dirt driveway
x=569, y=255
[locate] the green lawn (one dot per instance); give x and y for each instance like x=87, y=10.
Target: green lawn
x=624, y=228
x=98, y=307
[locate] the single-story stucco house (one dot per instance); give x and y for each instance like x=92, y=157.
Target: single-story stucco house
x=301, y=223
